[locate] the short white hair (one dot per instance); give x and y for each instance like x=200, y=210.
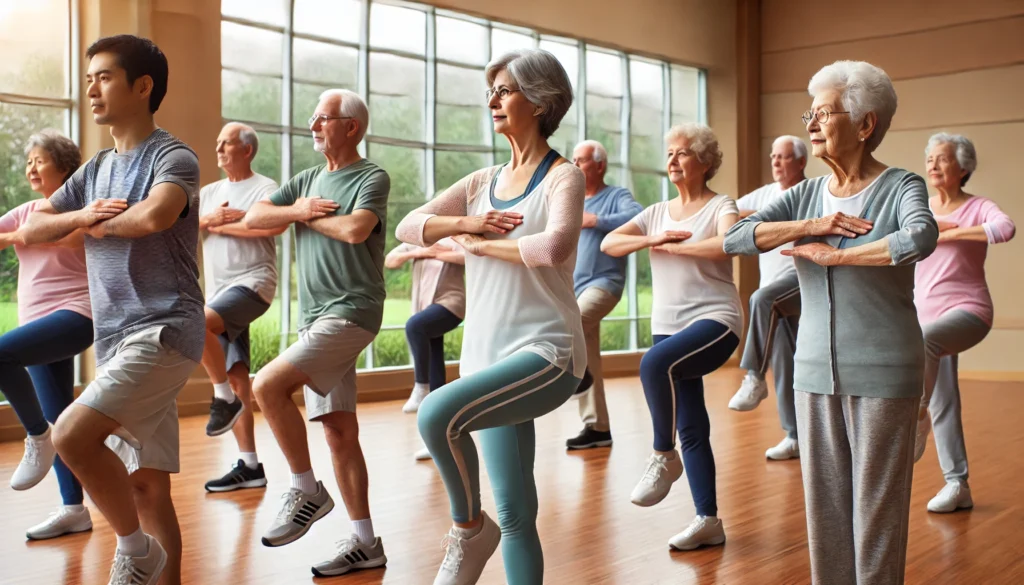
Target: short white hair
x=966, y=155
x=248, y=137
x=600, y=154
x=864, y=88
x=352, y=106
x=543, y=81
x=799, y=148
x=703, y=143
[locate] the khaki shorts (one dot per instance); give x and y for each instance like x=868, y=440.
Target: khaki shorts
x=137, y=388
x=327, y=352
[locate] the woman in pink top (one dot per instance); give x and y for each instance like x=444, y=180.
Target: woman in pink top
x=953, y=304
x=37, y=369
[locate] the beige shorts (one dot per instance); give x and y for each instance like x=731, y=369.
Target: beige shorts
x=137, y=388
x=327, y=352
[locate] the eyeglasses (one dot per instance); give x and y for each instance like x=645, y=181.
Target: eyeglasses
x=324, y=117
x=820, y=115
x=503, y=93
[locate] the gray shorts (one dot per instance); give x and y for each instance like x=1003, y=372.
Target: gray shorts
x=137, y=388
x=327, y=352
x=237, y=306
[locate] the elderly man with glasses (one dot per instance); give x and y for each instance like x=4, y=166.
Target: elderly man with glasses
x=340, y=211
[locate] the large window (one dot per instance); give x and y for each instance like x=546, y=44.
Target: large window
x=38, y=90
x=421, y=70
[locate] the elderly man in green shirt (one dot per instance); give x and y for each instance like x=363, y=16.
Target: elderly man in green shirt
x=340, y=212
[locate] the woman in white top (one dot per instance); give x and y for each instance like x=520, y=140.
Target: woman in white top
x=523, y=352
x=695, y=320
x=438, y=306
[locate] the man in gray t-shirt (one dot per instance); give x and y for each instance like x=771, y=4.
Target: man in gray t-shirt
x=138, y=206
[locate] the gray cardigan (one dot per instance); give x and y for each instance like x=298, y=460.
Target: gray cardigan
x=859, y=333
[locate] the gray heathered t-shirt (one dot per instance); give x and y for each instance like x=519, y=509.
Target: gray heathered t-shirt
x=137, y=283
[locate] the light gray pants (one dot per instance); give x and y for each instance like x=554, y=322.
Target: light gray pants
x=945, y=338
x=771, y=341
x=857, y=461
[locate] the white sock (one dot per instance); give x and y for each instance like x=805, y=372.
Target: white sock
x=468, y=532
x=224, y=392
x=251, y=461
x=305, y=482
x=421, y=388
x=133, y=545
x=364, y=530
x=755, y=375
x=77, y=509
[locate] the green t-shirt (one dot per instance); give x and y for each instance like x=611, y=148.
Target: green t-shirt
x=337, y=278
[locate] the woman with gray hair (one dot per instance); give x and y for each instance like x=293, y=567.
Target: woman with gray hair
x=953, y=304
x=860, y=354
x=523, y=352
x=696, y=321
x=37, y=365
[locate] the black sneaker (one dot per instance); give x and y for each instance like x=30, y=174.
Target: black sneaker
x=239, y=478
x=223, y=415
x=589, y=438
x=585, y=384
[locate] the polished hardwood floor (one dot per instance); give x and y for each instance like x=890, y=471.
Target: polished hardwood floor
x=591, y=533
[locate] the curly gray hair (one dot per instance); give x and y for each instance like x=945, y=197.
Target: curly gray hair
x=703, y=143
x=543, y=81
x=966, y=155
x=864, y=88
x=64, y=152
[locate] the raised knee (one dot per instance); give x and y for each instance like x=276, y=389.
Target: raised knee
x=63, y=441
x=431, y=418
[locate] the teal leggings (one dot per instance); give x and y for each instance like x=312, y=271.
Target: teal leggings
x=500, y=402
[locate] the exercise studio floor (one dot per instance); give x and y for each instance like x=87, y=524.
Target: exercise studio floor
x=591, y=533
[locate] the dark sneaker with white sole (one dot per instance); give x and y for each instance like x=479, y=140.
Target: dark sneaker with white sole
x=298, y=513
x=223, y=416
x=589, y=439
x=239, y=478
x=585, y=383
x=353, y=555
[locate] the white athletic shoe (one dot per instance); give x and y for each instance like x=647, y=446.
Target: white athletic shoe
x=465, y=558
x=61, y=522
x=423, y=454
x=703, y=531
x=37, y=461
x=924, y=428
x=415, y=398
x=353, y=555
x=956, y=495
x=144, y=570
x=298, y=513
x=787, y=449
x=752, y=391
x=658, y=478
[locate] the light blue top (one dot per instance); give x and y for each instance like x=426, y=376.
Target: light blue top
x=613, y=206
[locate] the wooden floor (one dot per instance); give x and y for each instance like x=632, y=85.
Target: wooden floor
x=591, y=533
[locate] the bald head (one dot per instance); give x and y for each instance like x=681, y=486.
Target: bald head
x=237, y=145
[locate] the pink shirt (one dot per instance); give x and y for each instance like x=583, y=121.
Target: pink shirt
x=49, y=278
x=953, y=277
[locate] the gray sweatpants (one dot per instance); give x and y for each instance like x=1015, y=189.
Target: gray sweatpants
x=857, y=461
x=771, y=341
x=944, y=339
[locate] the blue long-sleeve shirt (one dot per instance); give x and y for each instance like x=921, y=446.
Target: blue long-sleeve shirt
x=613, y=206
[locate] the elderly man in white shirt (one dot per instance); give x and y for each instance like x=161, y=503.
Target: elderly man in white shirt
x=774, y=307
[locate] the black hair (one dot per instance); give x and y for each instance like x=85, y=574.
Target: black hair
x=138, y=57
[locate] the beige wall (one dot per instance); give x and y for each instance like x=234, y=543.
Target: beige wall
x=957, y=67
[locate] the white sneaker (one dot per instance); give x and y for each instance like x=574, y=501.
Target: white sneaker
x=752, y=391
x=956, y=495
x=415, y=398
x=924, y=428
x=61, y=522
x=143, y=570
x=703, y=531
x=298, y=513
x=658, y=478
x=37, y=461
x=787, y=449
x=465, y=558
x=423, y=455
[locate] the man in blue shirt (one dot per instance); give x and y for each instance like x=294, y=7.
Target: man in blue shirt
x=599, y=280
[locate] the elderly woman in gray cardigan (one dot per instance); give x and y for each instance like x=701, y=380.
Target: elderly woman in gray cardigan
x=860, y=355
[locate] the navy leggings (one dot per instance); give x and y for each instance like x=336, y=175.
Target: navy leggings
x=672, y=374
x=425, y=332
x=37, y=375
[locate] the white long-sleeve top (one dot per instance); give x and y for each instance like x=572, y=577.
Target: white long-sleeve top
x=512, y=307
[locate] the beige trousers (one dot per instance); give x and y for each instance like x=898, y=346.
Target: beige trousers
x=595, y=303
